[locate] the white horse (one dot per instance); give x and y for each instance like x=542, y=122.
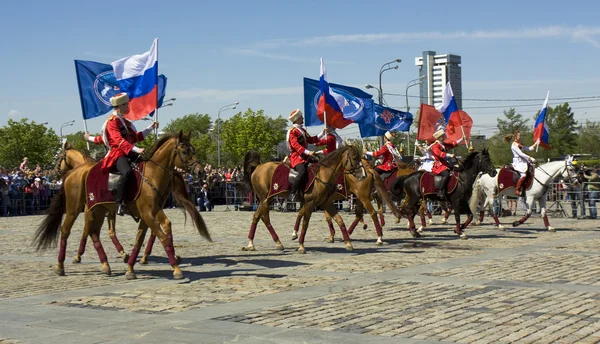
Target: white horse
x=486, y=190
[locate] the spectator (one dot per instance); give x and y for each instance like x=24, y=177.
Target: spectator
x=593, y=187
x=203, y=199
x=4, y=191
x=23, y=167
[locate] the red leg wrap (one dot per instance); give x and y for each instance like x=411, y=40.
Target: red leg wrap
x=252, y=231
x=272, y=232
x=133, y=257
x=546, y=222
x=82, y=244
x=117, y=244
x=62, y=251
x=331, y=229
x=353, y=225
x=149, y=245
x=345, y=235
x=101, y=253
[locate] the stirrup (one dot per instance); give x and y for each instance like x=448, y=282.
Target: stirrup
x=121, y=209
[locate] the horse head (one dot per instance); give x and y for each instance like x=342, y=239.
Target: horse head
x=485, y=163
x=570, y=173
x=185, y=154
x=353, y=163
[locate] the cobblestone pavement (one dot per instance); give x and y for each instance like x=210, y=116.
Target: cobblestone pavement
x=521, y=285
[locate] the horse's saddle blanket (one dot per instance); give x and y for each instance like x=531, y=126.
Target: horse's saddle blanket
x=284, y=176
x=389, y=178
x=431, y=183
x=100, y=187
x=508, y=177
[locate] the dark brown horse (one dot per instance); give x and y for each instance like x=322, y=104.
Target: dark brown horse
x=169, y=152
x=258, y=176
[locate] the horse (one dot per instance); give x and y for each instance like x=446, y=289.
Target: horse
x=258, y=177
x=486, y=190
x=472, y=165
x=70, y=158
x=174, y=150
x=362, y=189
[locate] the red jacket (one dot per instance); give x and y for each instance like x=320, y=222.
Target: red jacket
x=388, y=157
x=330, y=142
x=298, y=141
x=120, y=145
x=438, y=150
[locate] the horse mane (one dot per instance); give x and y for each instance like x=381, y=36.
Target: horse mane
x=469, y=160
x=160, y=143
x=335, y=156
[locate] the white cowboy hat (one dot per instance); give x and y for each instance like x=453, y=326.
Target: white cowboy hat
x=119, y=99
x=439, y=133
x=389, y=135
x=295, y=115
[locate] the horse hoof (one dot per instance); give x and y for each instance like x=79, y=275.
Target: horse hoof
x=248, y=248
x=443, y=221
x=379, y=243
x=349, y=248
x=516, y=223
x=365, y=226
x=420, y=229
x=279, y=247
x=106, y=270
x=144, y=260
x=178, y=275
x=59, y=271
x=551, y=229
x=294, y=236
x=130, y=275
x=330, y=240
x=126, y=258
x=464, y=236
x=430, y=222
x=76, y=259
x=301, y=250
x=477, y=223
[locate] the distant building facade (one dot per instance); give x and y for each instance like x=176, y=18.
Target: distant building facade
x=435, y=71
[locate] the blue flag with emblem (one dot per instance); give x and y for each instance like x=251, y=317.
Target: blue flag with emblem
x=358, y=105
x=97, y=84
x=385, y=119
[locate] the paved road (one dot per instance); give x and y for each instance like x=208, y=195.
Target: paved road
x=522, y=285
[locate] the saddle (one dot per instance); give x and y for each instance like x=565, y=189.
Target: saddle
x=101, y=186
x=508, y=177
x=431, y=183
x=389, y=178
x=284, y=176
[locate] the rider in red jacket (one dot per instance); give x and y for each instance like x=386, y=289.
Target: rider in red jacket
x=388, y=152
x=440, y=165
x=298, y=140
x=330, y=139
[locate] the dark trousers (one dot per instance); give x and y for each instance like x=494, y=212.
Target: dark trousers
x=444, y=174
x=301, y=169
x=126, y=173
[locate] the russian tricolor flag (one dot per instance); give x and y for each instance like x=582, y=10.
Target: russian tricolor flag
x=448, y=104
x=540, y=129
x=138, y=76
x=331, y=104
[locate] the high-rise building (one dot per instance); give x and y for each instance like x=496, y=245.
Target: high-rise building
x=435, y=72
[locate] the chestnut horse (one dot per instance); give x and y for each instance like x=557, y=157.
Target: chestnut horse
x=70, y=158
x=362, y=189
x=169, y=152
x=258, y=176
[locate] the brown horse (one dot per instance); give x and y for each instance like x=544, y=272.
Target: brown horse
x=362, y=189
x=70, y=158
x=258, y=176
x=169, y=152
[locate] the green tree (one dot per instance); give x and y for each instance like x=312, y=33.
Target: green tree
x=26, y=138
x=197, y=124
x=251, y=131
x=77, y=142
x=500, y=149
x=514, y=121
x=563, y=130
x=588, y=140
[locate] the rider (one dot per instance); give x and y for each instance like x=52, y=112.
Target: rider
x=297, y=140
x=440, y=165
x=119, y=135
x=330, y=139
x=520, y=159
x=427, y=158
x=389, y=154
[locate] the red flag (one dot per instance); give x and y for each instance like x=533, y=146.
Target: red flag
x=454, y=130
x=429, y=118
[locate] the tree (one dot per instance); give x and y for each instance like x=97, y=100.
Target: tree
x=562, y=129
x=498, y=148
x=197, y=124
x=514, y=121
x=588, y=140
x=26, y=138
x=77, y=141
x=251, y=131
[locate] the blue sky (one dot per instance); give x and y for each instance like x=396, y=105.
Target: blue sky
x=257, y=52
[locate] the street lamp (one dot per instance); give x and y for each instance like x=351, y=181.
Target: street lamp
x=385, y=67
x=66, y=124
x=410, y=84
x=226, y=107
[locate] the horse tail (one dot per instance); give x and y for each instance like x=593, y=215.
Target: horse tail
x=46, y=235
x=384, y=194
x=182, y=197
x=397, y=187
x=251, y=161
x=475, y=197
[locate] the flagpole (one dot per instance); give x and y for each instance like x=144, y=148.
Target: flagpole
x=415, y=151
x=157, y=95
x=463, y=130
x=81, y=102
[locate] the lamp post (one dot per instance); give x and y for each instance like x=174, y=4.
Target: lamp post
x=226, y=107
x=66, y=124
x=410, y=84
x=385, y=67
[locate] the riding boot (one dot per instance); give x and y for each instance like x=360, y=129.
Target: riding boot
x=519, y=185
x=121, y=207
x=442, y=191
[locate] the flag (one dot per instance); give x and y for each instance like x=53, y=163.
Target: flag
x=454, y=131
x=448, y=106
x=138, y=76
x=385, y=119
x=358, y=109
x=331, y=103
x=540, y=129
x=97, y=84
x=429, y=120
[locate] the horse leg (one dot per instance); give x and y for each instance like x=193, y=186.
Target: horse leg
x=378, y=227
x=308, y=207
x=358, y=216
x=411, y=209
x=267, y=221
x=297, y=224
x=65, y=231
x=139, y=240
x=430, y=222
x=330, y=225
x=165, y=239
x=93, y=224
x=331, y=210
x=113, y=235
x=422, y=216
x=457, y=230
x=446, y=216
x=149, y=244
x=255, y=219
x=468, y=220
x=528, y=203
x=380, y=211
x=82, y=244
x=542, y=201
